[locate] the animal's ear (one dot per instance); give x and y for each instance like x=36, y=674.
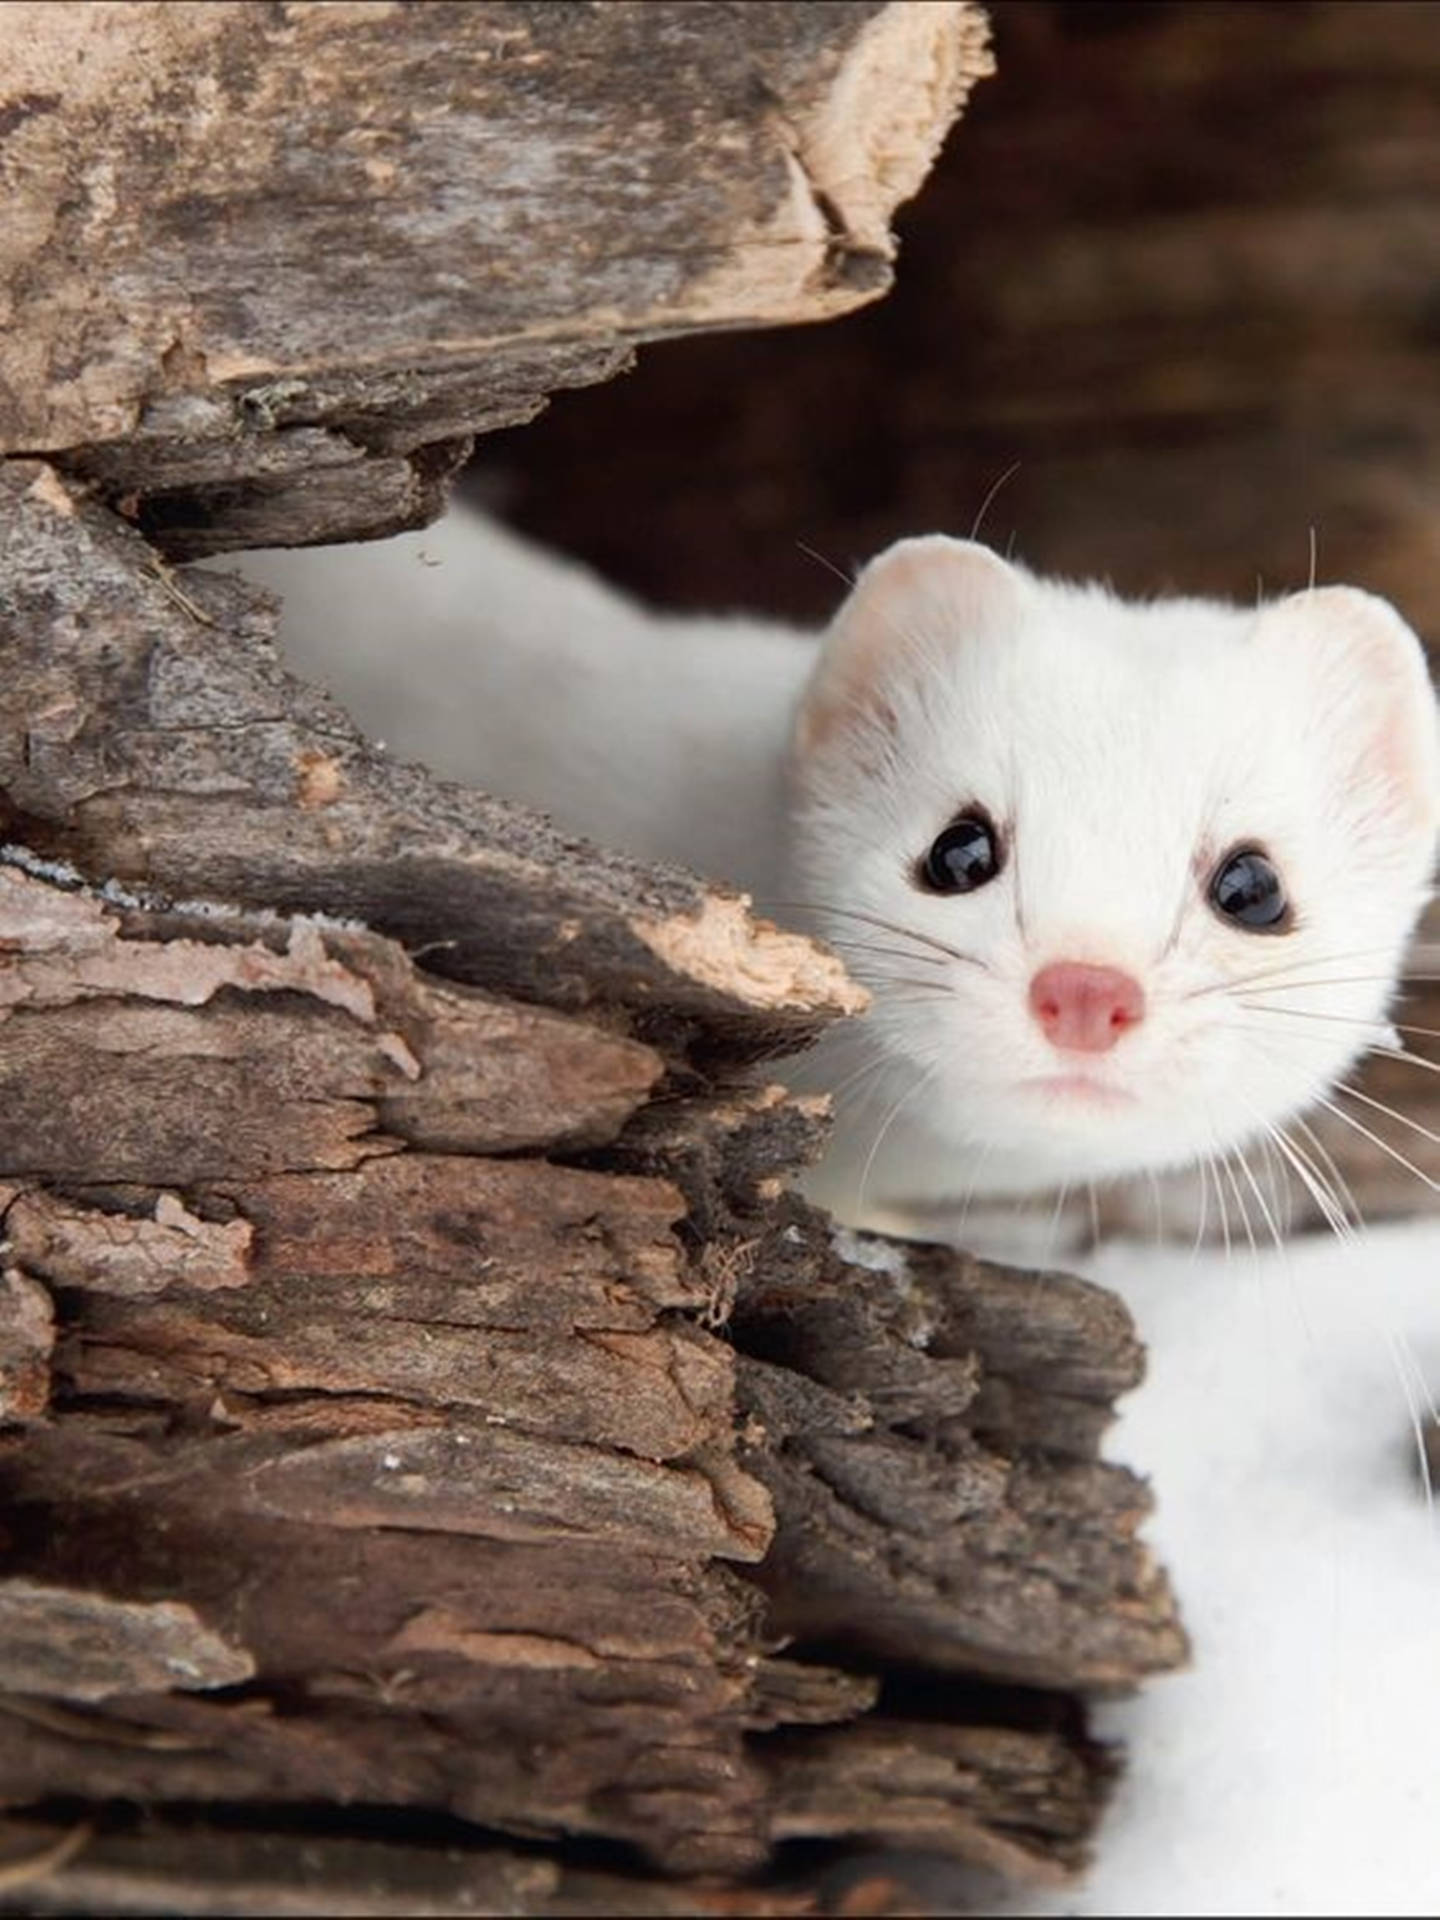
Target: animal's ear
x=1371, y=701
x=909, y=609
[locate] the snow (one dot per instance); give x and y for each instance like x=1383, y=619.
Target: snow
x=1295, y=1769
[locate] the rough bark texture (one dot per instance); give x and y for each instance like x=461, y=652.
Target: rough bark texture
x=374, y=1439
x=270, y=300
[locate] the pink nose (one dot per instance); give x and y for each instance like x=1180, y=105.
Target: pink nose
x=1085, y=1008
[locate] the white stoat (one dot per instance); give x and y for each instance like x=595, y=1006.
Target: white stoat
x=1097, y=861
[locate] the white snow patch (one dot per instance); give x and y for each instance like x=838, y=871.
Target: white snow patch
x=115, y=893
x=876, y=1256
x=1294, y=1769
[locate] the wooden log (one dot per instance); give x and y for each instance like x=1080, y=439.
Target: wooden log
x=271, y=300
x=483, y=1419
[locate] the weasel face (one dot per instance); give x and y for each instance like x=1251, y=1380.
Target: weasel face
x=1130, y=885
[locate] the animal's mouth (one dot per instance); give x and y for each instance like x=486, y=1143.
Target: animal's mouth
x=1083, y=1088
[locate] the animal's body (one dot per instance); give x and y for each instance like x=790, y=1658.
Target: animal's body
x=1129, y=883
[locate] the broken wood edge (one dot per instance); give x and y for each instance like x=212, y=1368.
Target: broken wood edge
x=317, y=820
x=799, y=146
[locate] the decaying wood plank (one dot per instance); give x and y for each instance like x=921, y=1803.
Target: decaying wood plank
x=75, y=1246
x=27, y=1339
x=926, y=1778
x=75, y=1645
x=457, y=1068
x=324, y=245
x=911, y=1450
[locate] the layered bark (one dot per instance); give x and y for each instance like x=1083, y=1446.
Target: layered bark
x=424, y=1393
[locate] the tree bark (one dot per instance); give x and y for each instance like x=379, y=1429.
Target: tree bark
x=270, y=267
x=429, y=1398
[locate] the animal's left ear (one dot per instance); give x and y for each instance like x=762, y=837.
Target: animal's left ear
x=1371, y=699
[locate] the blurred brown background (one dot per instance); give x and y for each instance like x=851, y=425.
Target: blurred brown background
x=1180, y=262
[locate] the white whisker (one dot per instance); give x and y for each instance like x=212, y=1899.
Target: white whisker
x=1339, y=980
x=868, y=947
x=1265, y=1214
x=1341, y=1019
x=897, y=985
x=1203, y=1170
x=843, y=1089
x=1413, y=1386
x=1224, y=1210
x=985, y=505
x=846, y=580
x=1349, y=1120
x=1290, y=967
x=1282, y=1188
x=878, y=922
x=915, y=1087
x=1391, y=1113
x=1239, y=1203
x=1404, y=1053
x=1336, y=1181
x=1330, y=1210
x=982, y=1157
x=1054, y=1228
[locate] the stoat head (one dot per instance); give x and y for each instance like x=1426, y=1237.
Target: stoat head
x=1129, y=883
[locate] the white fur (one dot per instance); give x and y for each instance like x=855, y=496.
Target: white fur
x=491, y=662
x=1122, y=749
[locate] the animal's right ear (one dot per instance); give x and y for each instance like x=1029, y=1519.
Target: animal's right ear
x=1371, y=701
x=908, y=611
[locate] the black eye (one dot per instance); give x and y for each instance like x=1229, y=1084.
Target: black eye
x=1246, y=888
x=963, y=857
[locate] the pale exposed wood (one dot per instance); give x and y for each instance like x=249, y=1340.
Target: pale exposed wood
x=77, y=1645
x=27, y=1339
